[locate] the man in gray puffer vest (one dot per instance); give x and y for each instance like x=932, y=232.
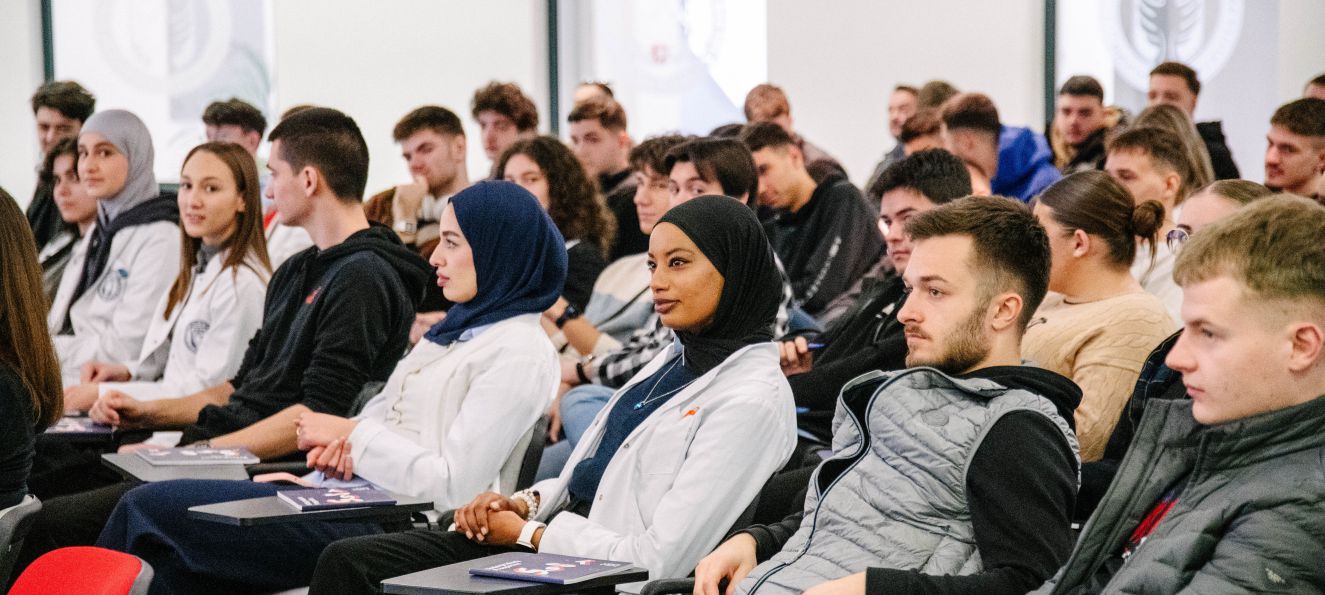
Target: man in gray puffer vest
x=957, y=474
x=1225, y=492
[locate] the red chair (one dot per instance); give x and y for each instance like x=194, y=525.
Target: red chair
x=86, y=571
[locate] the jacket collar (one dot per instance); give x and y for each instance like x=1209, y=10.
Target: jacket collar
x=1245, y=441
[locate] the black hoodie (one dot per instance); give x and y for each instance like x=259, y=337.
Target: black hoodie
x=1021, y=487
x=333, y=320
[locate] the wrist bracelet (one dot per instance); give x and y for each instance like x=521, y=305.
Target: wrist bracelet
x=579, y=372
x=530, y=503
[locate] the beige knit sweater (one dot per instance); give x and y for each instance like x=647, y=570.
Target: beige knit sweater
x=1101, y=346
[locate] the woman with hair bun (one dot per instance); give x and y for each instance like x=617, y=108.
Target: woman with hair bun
x=1097, y=325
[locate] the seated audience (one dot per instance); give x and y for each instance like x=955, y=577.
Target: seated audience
x=30, y=395
x=1223, y=493
x=504, y=115
x=648, y=484
x=902, y=104
x=446, y=426
x=1295, y=152
x=1175, y=121
x=1151, y=164
x=956, y=475
x=1080, y=123
x=1176, y=84
x=197, y=335
x=77, y=211
x=335, y=318
x=1007, y=160
x=620, y=304
x=432, y=142
x=1158, y=381
x=102, y=309
x=1097, y=324
x=824, y=232
x=60, y=108
x=548, y=170
x=599, y=139
x=768, y=103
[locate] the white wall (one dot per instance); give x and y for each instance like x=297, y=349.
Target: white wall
x=376, y=61
x=20, y=52
x=1301, y=46
x=839, y=61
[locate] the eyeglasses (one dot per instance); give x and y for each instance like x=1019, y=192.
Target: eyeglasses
x=1176, y=238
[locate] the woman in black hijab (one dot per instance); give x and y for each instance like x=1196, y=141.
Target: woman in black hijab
x=676, y=455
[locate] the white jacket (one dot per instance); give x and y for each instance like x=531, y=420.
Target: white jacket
x=203, y=342
x=685, y=474
x=110, y=319
x=483, y=396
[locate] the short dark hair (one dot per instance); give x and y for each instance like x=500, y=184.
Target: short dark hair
x=1304, y=117
x=508, y=100
x=732, y=130
x=601, y=86
x=67, y=146
x=934, y=93
x=1163, y=147
x=761, y=135
x=330, y=142
x=1082, y=85
x=653, y=152
x=67, y=97
x=606, y=110
x=907, y=89
x=1319, y=81
x=429, y=117
x=724, y=161
x=769, y=95
x=974, y=111
x=937, y=174
x=1182, y=71
x=237, y=112
x=1009, y=246
x=924, y=122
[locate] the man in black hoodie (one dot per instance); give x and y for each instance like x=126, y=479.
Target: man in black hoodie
x=956, y=475
x=336, y=316
x=824, y=231
x=1176, y=84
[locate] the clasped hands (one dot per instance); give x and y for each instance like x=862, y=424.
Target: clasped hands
x=327, y=440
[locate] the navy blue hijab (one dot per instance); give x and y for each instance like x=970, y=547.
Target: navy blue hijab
x=519, y=257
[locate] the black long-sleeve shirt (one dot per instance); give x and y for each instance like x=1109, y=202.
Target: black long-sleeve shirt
x=1020, y=489
x=17, y=438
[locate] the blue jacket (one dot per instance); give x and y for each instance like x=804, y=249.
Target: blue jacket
x=1025, y=164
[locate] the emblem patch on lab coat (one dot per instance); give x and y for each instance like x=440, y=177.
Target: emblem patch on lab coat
x=194, y=333
x=112, y=284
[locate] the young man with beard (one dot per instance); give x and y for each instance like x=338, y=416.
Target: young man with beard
x=1295, y=149
x=956, y=475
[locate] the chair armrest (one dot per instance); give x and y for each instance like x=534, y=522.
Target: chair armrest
x=291, y=467
x=671, y=586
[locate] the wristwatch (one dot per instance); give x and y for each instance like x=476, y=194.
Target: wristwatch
x=570, y=313
x=580, y=369
x=526, y=537
x=406, y=226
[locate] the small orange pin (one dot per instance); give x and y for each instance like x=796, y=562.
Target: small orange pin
x=691, y=412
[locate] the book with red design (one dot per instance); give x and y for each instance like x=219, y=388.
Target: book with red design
x=546, y=568
x=308, y=500
x=169, y=457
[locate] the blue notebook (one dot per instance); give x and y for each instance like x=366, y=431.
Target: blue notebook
x=546, y=568
x=79, y=425
x=308, y=500
x=170, y=457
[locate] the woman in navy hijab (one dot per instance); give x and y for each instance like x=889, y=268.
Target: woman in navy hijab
x=452, y=421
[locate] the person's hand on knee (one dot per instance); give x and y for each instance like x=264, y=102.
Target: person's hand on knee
x=733, y=561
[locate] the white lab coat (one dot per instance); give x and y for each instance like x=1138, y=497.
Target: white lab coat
x=110, y=319
x=203, y=342
x=685, y=474
x=482, y=397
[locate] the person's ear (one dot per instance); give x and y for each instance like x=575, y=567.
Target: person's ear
x=796, y=155
x=1081, y=243
x=459, y=147
x=1172, y=183
x=1005, y=311
x=310, y=179
x=1307, y=341
x=623, y=139
x=252, y=140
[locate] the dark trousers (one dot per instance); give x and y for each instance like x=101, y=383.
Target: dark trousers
x=360, y=564
x=75, y=519
x=60, y=468
x=193, y=556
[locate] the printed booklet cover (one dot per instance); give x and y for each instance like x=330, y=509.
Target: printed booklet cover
x=78, y=425
x=308, y=500
x=546, y=568
x=167, y=457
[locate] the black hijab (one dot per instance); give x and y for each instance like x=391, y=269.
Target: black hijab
x=728, y=233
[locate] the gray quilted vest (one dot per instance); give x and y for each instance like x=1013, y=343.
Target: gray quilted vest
x=903, y=503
